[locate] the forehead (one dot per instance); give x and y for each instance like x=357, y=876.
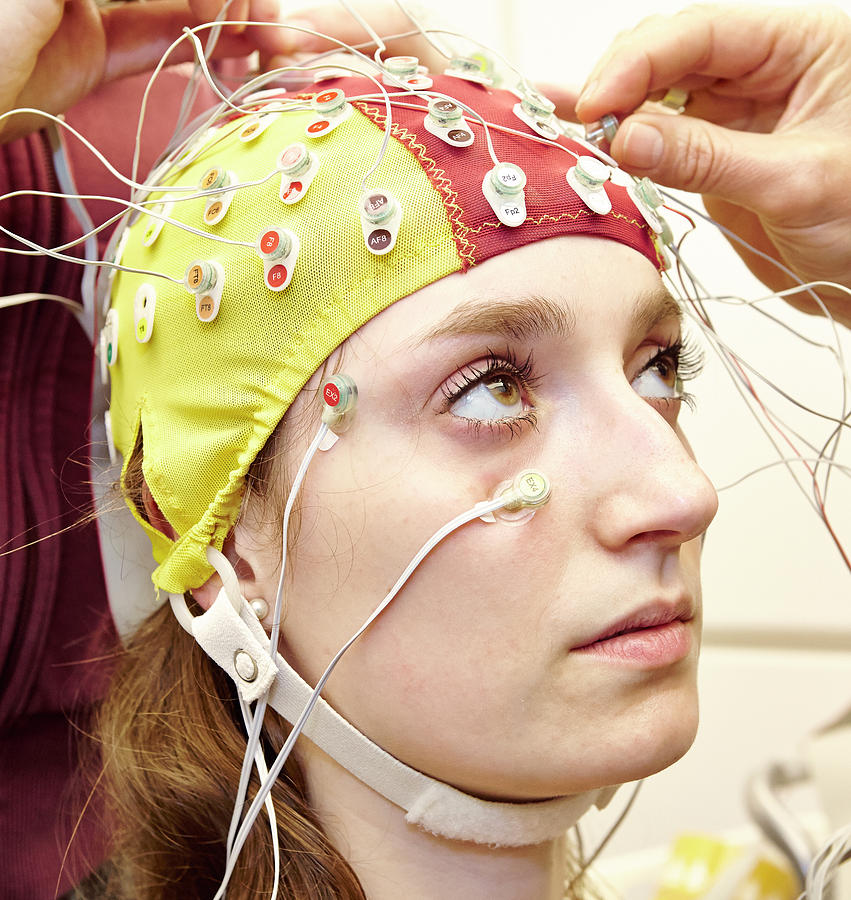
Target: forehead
x=558, y=287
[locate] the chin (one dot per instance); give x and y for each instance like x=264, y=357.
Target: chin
x=657, y=741
x=635, y=746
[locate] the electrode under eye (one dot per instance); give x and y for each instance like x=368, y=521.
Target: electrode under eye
x=524, y=494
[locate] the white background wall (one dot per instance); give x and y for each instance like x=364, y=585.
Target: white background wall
x=777, y=657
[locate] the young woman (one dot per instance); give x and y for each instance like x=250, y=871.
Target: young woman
x=497, y=303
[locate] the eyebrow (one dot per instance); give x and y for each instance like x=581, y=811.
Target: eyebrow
x=533, y=317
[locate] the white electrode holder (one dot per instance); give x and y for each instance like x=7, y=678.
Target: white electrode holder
x=217, y=205
x=381, y=216
x=278, y=248
x=331, y=109
x=588, y=180
x=298, y=167
x=503, y=187
x=205, y=279
x=445, y=120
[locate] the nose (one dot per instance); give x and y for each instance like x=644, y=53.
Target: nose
x=648, y=485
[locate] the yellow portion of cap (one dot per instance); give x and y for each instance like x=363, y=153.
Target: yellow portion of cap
x=207, y=395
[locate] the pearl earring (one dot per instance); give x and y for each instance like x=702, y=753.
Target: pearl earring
x=260, y=608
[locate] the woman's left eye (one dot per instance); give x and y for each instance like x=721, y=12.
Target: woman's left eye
x=658, y=379
x=662, y=378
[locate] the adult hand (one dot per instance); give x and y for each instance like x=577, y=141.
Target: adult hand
x=53, y=53
x=386, y=19
x=766, y=133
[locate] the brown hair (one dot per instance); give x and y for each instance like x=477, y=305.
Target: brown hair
x=170, y=745
x=171, y=750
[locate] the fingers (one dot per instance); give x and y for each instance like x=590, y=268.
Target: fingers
x=752, y=170
x=138, y=34
x=766, y=49
x=564, y=97
x=383, y=18
x=26, y=29
x=269, y=38
x=209, y=10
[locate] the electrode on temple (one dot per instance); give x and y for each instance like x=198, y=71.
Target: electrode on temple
x=339, y=402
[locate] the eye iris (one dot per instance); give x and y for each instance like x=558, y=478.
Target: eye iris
x=503, y=390
x=667, y=372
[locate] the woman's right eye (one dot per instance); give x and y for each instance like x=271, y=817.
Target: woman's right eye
x=493, y=397
x=493, y=392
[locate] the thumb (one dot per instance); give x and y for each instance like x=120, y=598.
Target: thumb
x=695, y=155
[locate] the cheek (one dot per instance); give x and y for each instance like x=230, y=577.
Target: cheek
x=463, y=645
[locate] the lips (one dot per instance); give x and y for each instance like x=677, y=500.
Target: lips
x=653, y=616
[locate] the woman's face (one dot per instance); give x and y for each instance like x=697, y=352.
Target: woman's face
x=488, y=670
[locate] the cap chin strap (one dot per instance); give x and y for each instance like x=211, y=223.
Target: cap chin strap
x=237, y=642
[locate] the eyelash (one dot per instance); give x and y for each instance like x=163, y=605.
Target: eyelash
x=683, y=356
x=505, y=363
x=686, y=359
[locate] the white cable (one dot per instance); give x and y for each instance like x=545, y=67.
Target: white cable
x=480, y=509
x=846, y=470
x=146, y=207
x=833, y=853
x=380, y=46
x=29, y=297
x=423, y=31
x=65, y=178
x=74, y=259
x=725, y=355
x=260, y=710
x=836, y=437
x=263, y=773
x=586, y=864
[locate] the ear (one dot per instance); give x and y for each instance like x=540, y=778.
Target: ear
x=154, y=514
x=247, y=549
x=255, y=561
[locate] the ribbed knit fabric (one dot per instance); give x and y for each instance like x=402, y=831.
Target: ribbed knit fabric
x=52, y=598
x=55, y=624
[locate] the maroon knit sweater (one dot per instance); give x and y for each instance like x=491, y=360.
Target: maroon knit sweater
x=53, y=608
x=54, y=620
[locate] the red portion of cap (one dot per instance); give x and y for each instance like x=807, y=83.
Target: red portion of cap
x=553, y=208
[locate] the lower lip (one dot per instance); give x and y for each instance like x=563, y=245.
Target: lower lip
x=661, y=645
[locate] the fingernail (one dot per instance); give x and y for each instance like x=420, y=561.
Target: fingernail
x=587, y=93
x=643, y=146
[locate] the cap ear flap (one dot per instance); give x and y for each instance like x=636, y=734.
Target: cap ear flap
x=153, y=514
x=138, y=494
